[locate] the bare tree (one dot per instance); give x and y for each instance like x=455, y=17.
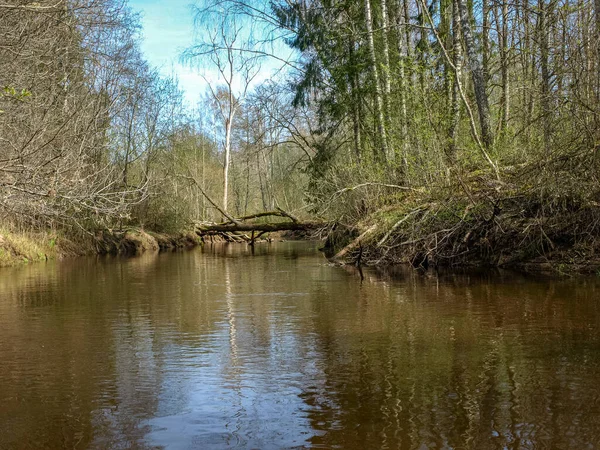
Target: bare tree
x=53, y=147
x=227, y=53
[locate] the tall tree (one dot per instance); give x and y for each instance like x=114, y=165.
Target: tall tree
x=543, y=38
x=457, y=61
x=225, y=52
x=379, y=105
x=478, y=76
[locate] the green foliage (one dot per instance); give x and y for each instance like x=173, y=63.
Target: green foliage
x=10, y=91
x=432, y=138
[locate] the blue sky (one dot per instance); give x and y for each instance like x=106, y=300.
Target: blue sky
x=168, y=29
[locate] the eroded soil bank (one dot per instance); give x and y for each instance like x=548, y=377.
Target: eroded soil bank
x=136, y=241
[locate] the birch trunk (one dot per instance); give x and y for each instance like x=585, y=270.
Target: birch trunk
x=226, y=164
x=384, y=151
x=385, y=72
x=402, y=84
x=457, y=61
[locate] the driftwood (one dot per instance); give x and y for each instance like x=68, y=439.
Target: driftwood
x=234, y=226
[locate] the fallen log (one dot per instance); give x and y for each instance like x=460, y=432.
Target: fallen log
x=278, y=213
x=261, y=227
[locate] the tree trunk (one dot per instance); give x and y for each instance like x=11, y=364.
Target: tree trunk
x=408, y=47
x=204, y=210
x=266, y=227
x=356, y=117
x=384, y=151
x=226, y=163
x=485, y=40
x=505, y=66
x=385, y=71
x=588, y=52
x=402, y=83
x=445, y=33
x=501, y=15
x=479, y=83
x=529, y=68
x=544, y=57
x=457, y=61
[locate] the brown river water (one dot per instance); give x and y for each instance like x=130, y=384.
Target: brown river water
x=221, y=348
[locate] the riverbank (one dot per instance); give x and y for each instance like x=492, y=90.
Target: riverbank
x=22, y=247
x=473, y=223
x=137, y=241
x=18, y=247
x=479, y=222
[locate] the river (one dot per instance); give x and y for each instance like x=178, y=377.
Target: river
x=222, y=347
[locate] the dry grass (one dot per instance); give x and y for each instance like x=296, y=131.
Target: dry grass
x=20, y=248
x=23, y=247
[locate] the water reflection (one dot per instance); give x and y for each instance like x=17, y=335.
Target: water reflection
x=223, y=348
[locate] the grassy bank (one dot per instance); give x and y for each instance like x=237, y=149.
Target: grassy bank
x=23, y=247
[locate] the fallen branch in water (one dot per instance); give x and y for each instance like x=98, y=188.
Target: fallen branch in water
x=395, y=227
x=279, y=213
x=355, y=243
x=261, y=227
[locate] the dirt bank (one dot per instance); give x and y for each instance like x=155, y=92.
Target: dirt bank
x=137, y=241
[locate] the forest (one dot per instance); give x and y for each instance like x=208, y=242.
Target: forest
x=435, y=132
